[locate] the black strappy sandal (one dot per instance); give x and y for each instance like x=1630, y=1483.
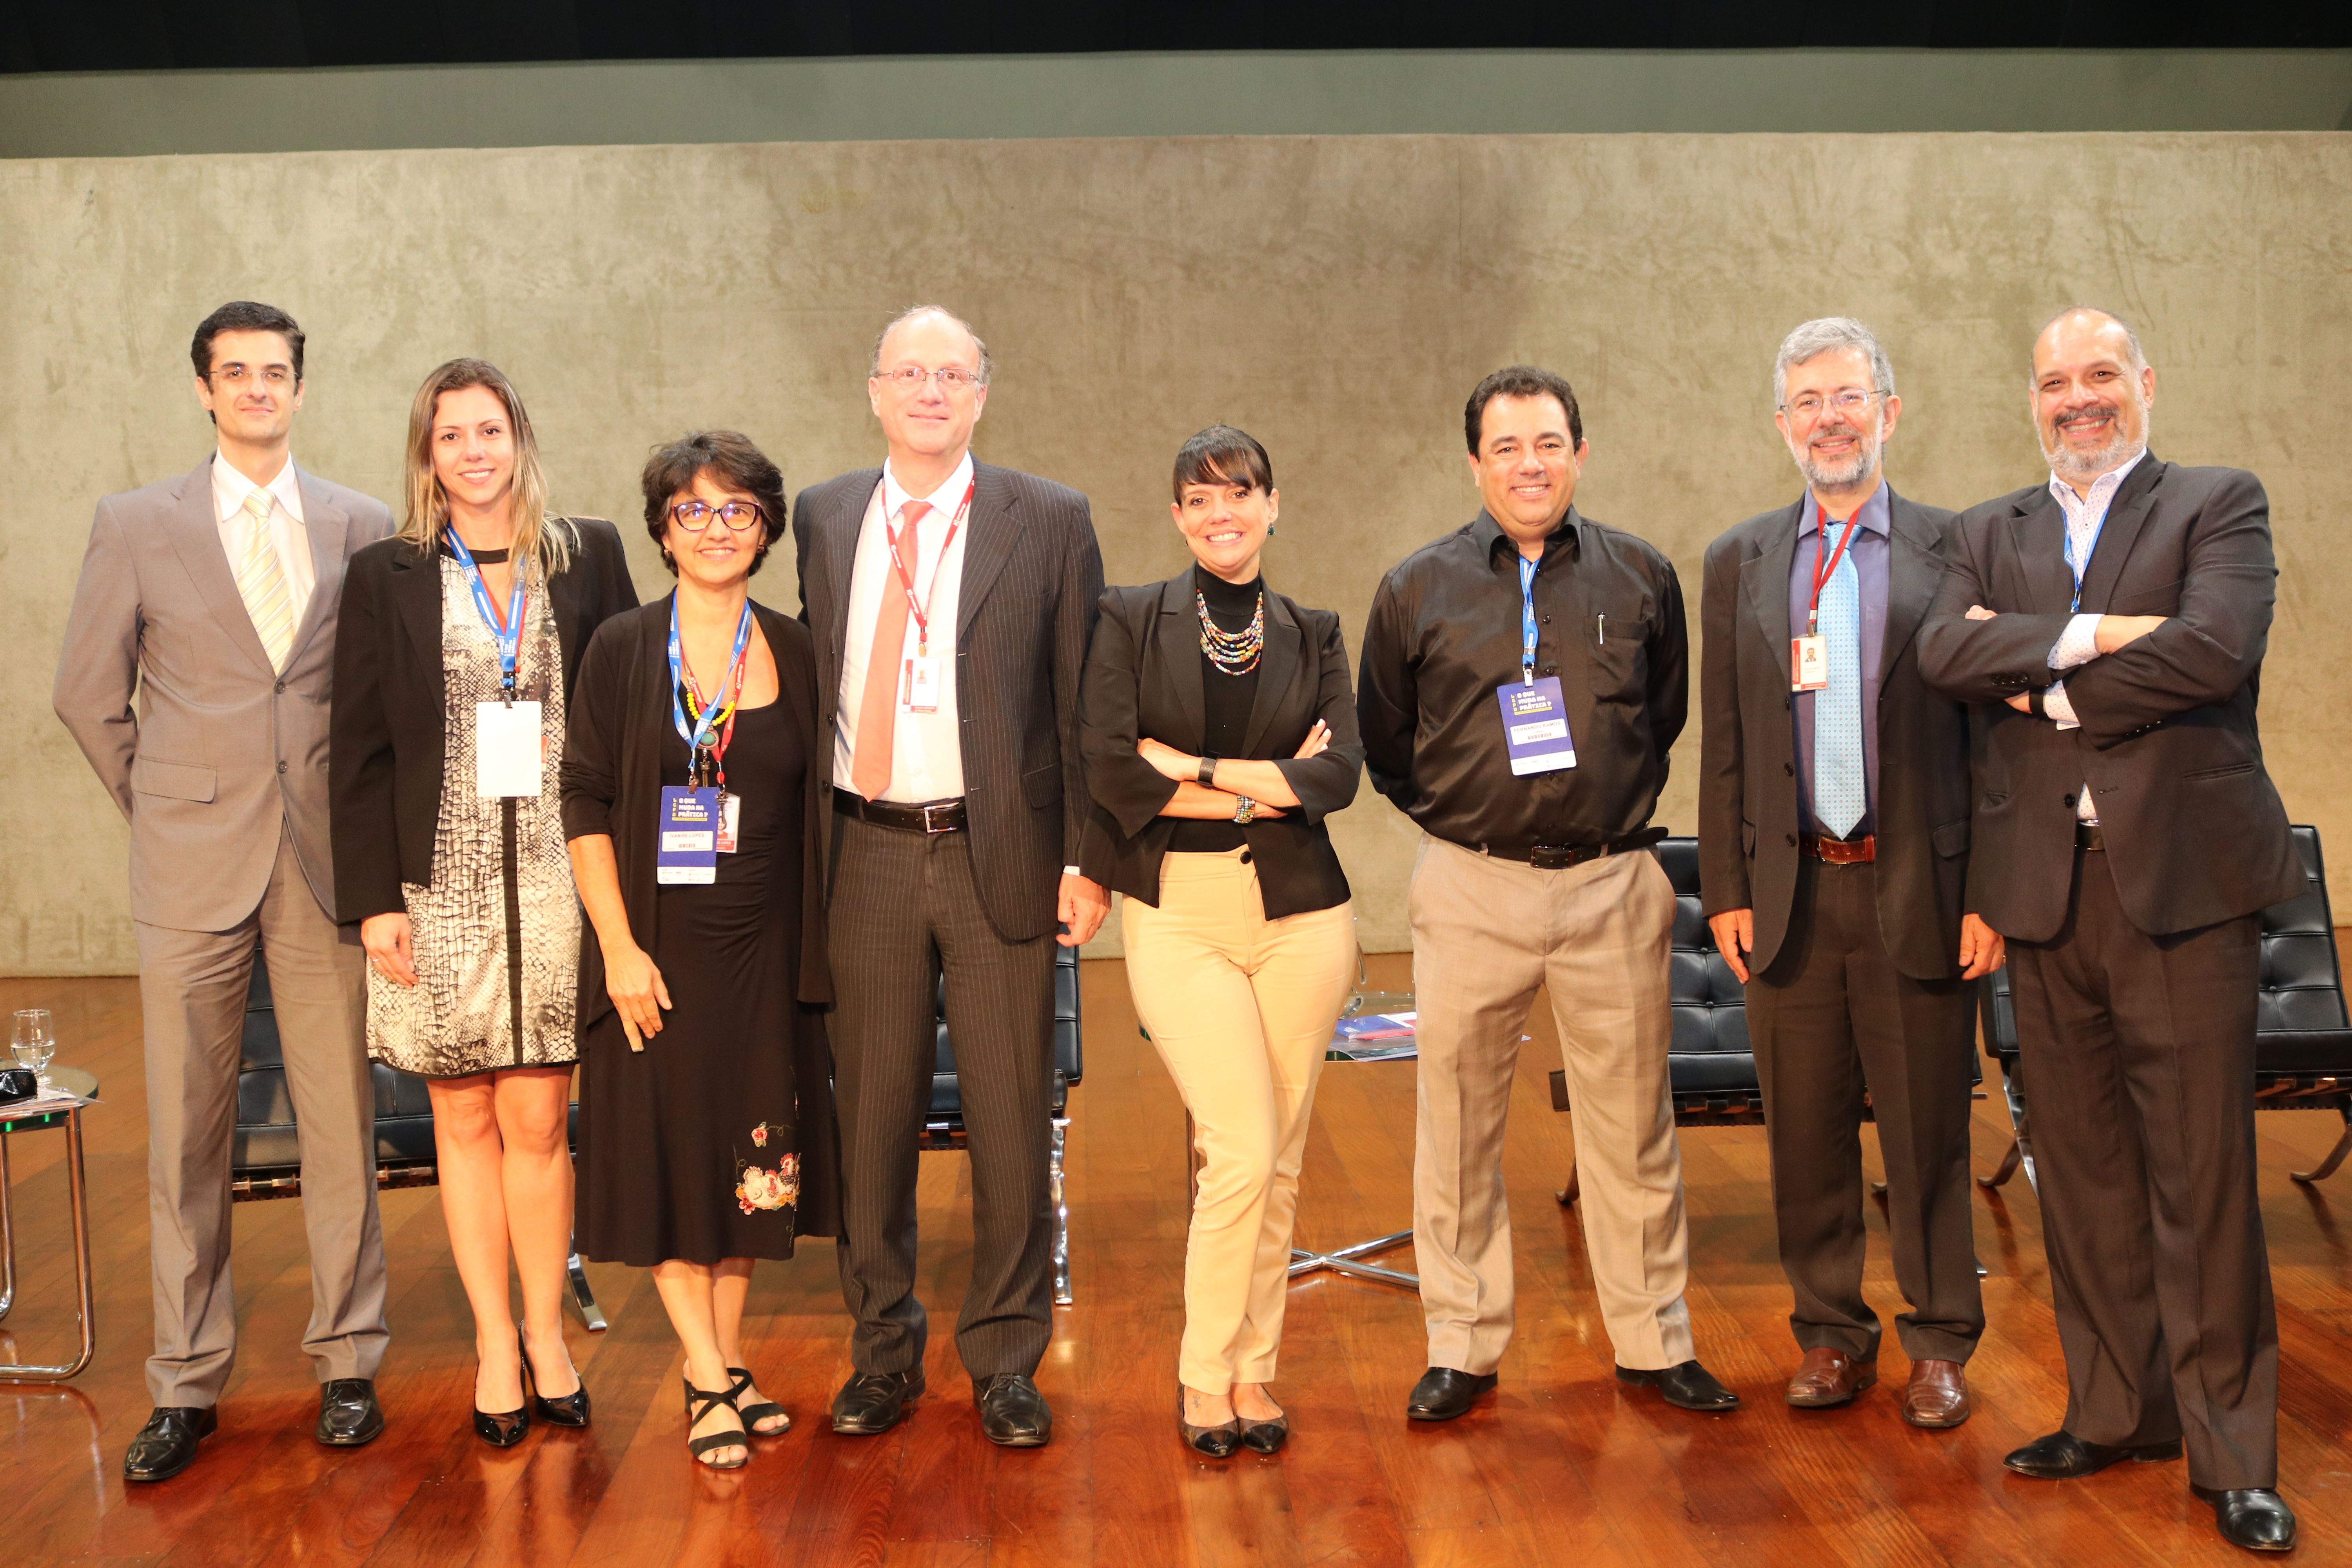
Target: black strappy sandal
x=752, y=1415
x=695, y=1412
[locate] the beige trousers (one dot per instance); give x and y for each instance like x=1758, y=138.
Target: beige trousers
x=1485, y=934
x=1241, y=1009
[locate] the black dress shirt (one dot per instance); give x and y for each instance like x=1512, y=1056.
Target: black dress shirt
x=1446, y=633
x=1227, y=699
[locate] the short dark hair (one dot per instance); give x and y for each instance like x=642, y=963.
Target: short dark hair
x=244, y=316
x=738, y=465
x=1222, y=455
x=1520, y=381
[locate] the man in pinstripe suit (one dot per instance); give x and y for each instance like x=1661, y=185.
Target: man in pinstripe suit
x=952, y=602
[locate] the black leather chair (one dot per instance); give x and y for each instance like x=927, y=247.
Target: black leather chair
x=2303, y=1047
x=264, y=1160
x=943, y=1127
x=1710, y=1065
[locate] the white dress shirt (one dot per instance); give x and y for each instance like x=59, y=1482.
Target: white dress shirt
x=287, y=534
x=2078, y=644
x=926, y=748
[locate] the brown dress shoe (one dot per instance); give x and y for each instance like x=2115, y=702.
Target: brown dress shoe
x=1830, y=1378
x=1938, y=1394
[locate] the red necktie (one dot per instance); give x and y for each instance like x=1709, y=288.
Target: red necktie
x=870, y=767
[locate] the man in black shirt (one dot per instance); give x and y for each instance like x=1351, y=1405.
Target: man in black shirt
x=1523, y=679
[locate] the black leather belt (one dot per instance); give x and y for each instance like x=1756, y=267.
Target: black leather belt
x=1560, y=856
x=932, y=816
x=2089, y=836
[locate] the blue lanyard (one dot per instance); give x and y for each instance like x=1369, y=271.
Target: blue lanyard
x=2066, y=542
x=507, y=636
x=697, y=739
x=1526, y=621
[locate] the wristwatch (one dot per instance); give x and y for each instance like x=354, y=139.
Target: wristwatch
x=1208, y=774
x=1244, y=810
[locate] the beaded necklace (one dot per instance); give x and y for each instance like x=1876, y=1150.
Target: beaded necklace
x=1236, y=653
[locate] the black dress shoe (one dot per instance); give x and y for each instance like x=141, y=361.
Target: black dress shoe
x=1265, y=1436
x=167, y=1444
x=1013, y=1412
x=2063, y=1457
x=1443, y=1393
x=2256, y=1518
x=1218, y=1442
x=348, y=1413
x=871, y=1403
x=1686, y=1386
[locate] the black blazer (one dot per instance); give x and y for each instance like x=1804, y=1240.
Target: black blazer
x=387, y=732
x=1144, y=678
x=1032, y=572
x=1748, y=817
x=2195, y=832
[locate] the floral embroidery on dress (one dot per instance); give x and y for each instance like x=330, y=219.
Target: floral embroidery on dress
x=760, y=1188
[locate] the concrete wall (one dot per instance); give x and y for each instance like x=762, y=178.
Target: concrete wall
x=1338, y=296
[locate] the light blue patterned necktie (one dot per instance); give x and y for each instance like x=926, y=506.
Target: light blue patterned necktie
x=1841, y=794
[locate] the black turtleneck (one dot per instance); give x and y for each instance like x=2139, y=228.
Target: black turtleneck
x=1227, y=700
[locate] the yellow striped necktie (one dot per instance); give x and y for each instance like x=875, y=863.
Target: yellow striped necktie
x=261, y=583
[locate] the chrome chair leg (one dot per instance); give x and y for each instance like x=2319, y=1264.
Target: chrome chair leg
x=79, y=1187
x=2324, y=1170
x=2020, y=1148
x=1058, y=1195
x=583, y=1298
x=7, y=1237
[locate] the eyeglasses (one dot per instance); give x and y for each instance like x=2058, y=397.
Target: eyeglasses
x=1808, y=404
x=952, y=379
x=272, y=376
x=694, y=516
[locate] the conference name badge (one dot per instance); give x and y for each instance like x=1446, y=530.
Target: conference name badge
x=508, y=751
x=1535, y=726
x=1809, y=663
x=919, y=685
x=689, y=848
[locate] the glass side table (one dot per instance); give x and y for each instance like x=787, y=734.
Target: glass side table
x=15, y=1121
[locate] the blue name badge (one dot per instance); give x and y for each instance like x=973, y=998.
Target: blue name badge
x=689, y=851
x=1535, y=725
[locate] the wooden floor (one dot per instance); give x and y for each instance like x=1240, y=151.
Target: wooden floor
x=1564, y=1467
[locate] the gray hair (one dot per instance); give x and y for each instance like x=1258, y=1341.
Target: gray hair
x=1816, y=338
x=2139, y=357
x=987, y=365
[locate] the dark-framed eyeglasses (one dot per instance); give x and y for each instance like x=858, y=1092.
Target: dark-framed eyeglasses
x=1808, y=404
x=694, y=516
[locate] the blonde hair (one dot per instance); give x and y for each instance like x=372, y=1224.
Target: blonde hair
x=537, y=536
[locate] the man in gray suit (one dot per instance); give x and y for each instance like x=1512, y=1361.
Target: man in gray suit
x=2111, y=622
x=1834, y=853
x=952, y=602
x=213, y=596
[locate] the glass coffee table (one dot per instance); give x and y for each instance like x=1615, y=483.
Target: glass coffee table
x=15, y=1121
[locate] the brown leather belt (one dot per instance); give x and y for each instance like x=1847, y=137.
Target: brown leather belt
x=933, y=817
x=1839, y=851
x=2089, y=836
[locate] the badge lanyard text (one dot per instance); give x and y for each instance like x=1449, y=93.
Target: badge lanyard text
x=1527, y=622
x=708, y=716
x=2079, y=567
x=507, y=636
x=920, y=609
x=1822, y=571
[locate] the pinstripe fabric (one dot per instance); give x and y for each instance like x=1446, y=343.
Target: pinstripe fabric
x=905, y=910
x=979, y=906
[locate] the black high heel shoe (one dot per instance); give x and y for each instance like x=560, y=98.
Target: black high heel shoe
x=504, y=1429
x=572, y=1410
x=1217, y=1442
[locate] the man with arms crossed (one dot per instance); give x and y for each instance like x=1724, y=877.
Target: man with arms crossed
x=2113, y=623
x=952, y=602
x=1834, y=851
x=213, y=598
x=1522, y=682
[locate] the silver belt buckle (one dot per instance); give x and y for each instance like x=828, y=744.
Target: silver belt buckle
x=930, y=826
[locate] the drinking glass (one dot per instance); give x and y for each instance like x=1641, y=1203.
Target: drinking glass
x=35, y=1041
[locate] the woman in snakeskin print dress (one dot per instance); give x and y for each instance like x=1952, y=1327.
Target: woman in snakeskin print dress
x=461, y=638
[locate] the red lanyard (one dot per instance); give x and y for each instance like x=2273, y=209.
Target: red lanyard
x=727, y=730
x=1822, y=573
x=922, y=608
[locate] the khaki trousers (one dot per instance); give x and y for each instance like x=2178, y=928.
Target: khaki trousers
x=192, y=991
x=1241, y=1009
x=1487, y=934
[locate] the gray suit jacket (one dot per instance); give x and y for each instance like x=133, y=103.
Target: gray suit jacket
x=1748, y=773
x=221, y=750
x=2195, y=833
x=1032, y=580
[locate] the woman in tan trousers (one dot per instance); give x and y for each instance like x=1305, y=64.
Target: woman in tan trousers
x=1220, y=730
